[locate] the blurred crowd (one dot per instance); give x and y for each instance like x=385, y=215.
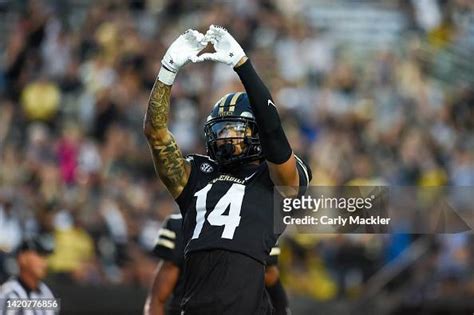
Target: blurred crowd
x=75, y=77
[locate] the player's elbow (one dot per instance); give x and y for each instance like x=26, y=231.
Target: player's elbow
x=154, y=135
x=287, y=187
x=285, y=176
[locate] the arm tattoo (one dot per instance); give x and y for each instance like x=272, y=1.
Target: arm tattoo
x=170, y=164
x=158, y=106
x=168, y=159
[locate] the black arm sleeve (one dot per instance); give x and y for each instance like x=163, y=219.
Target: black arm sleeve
x=279, y=299
x=274, y=143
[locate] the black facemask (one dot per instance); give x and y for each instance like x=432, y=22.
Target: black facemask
x=226, y=151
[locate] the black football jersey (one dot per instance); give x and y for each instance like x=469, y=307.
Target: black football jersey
x=230, y=211
x=170, y=247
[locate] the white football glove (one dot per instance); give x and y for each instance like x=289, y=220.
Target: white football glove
x=186, y=46
x=227, y=49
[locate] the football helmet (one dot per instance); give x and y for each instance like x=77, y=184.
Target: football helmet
x=231, y=132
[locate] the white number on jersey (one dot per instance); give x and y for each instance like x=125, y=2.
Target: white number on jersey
x=233, y=198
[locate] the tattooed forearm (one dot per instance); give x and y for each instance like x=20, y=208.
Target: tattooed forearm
x=158, y=106
x=168, y=159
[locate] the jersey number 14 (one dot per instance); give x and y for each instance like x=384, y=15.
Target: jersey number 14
x=216, y=217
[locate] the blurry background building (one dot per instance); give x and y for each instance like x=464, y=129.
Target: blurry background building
x=369, y=92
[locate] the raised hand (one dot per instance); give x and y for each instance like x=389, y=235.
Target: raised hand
x=181, y=51
x=227, y=49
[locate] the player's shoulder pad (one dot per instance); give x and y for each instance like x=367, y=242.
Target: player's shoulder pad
x=203, y=163
x=168, y=234
x=173, y=222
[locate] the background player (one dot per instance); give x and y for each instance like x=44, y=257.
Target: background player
x=168, y=281
x=249, y=156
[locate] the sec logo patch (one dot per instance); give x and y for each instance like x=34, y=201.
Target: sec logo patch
x=206, y=167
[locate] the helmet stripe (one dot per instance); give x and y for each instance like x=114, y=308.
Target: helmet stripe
x=222, y=103
x=226, y=105
x=234, y=100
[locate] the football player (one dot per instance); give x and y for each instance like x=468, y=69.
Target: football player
x=168, y=281
x=226, y=198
